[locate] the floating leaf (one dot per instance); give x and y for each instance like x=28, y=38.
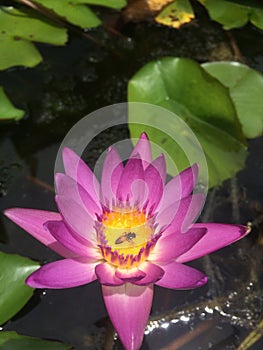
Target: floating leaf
x=257, y=4
x=14, y=341
x=176, y=14
x=183, y=87
x=76, y=11
x=14, y=293
x=7, y=110
x=73, y=11
x=246, y=90
x=115, y=4
x=233, y=15
x=17, y=31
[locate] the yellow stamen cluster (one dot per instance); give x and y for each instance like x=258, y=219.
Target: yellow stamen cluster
x=128, y=235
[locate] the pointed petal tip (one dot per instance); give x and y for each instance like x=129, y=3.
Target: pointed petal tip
x=129, y=307
x=144, y=136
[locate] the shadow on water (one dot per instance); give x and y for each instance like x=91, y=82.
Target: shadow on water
x=72, y=82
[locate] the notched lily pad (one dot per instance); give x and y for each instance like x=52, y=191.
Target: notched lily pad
x=234, y=15
x=14, y=341
x=185, y=88
x=17, y=31
x=246, y=90
x=7, y=110
x=14, y=293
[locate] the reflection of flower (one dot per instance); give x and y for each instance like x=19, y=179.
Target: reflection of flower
x=129, y=232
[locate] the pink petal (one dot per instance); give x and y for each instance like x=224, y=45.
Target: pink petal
x=179, y=187
x=181, y=214
x=129, y=308
x=77, y=219
x=154, y=182
x=153, y=274
x=174, y=245
x=143, y=148
x=160, y=165
x=131, y=186
x=106, y=275
x=67, y=187
x=65, y=237
x=32, y=221
x=178, y=276
x=64, y=273
x=78, y=170
x=111, y=173
x=217, y=236
x=130, y=275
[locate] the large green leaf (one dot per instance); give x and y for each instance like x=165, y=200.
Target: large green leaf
x=14, y=341
x=17, y=31
x=233, y=15
x=14, y=293
x=185, y=88
x=246, y=89
x=7, y=110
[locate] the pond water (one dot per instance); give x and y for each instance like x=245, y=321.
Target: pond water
x=72, y=82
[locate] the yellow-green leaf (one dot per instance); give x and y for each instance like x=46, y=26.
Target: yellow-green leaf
x=176, y=14
x=7, y=110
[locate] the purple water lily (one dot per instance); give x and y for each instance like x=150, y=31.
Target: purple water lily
x=130, y=232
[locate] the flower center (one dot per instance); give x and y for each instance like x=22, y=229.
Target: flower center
x=126, y=237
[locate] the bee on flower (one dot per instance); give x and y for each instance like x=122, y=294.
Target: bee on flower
x=130, y=231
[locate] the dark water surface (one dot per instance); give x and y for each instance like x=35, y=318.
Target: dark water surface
x=72, y=82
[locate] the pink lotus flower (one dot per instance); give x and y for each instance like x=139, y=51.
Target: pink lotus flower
x=130, y=232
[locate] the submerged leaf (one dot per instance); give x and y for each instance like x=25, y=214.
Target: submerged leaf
x=14, y=293
x=176, y=14
x=183, y=87
x=14, y=341
x=246, y=90
x=17, y=30
x=7, y=110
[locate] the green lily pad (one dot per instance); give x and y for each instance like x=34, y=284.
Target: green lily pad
x=257, y=4
x=73, y=11
x=7, y=110
x=185, y=88
x=246, y=90
x=14, y=341
x=17, y=31
x=233, y=15
x=14, y=293
x=76, y=11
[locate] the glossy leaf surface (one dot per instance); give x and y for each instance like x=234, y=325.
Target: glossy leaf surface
x=234, y=15
x=185, y=88
x=14, y=293
x=246, y=90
